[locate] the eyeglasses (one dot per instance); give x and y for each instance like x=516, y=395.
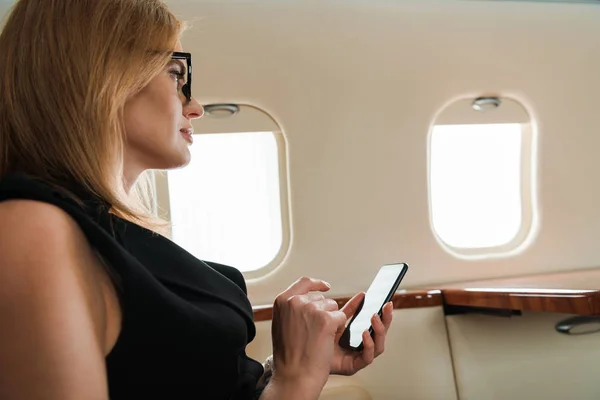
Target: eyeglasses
x=187, y=88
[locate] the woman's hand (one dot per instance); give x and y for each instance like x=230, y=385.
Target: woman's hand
x=305, y=325
x=348, y=362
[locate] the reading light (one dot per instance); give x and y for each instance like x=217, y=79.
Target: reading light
x=221, y=110
x=486, y=103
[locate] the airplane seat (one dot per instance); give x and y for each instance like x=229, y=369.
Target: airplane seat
x=344, y=388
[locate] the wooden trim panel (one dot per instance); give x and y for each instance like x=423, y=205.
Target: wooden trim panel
x=574, y=292
x=565, y=301
x=402, y=299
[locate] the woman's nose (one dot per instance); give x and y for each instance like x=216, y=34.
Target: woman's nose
x=193, y=109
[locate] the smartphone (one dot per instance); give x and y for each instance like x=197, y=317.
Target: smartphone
x=381, y=291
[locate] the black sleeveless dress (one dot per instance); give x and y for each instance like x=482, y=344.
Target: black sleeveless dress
x=186, y=322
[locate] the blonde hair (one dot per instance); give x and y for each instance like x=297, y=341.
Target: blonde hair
x=68, y=67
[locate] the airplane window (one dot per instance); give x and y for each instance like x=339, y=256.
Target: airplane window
x=480, y=179
x=475, y=184
x=225, y=205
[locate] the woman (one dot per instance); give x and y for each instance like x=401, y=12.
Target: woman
x=94, y=302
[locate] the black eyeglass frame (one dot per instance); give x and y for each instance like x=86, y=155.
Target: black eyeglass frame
x=187, y=88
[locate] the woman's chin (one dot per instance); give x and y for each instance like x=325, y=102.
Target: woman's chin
x=184, y=159
x=175, y=160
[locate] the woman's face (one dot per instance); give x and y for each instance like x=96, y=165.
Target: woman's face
x=156, y=121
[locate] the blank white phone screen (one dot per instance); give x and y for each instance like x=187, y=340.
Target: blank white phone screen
x=374, y=298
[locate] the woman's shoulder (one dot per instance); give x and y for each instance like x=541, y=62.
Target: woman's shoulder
x=52, y=280
x=61, y=233
x=43, y=249
x=45, y=230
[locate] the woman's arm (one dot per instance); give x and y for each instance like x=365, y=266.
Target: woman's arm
x=52, y=341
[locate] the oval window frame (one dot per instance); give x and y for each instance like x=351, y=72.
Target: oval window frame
x=462, y=111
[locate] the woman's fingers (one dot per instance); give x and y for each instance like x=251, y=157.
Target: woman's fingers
x=303, y=328
x=368, y=352
x=379, y=337
x=303, y=286
x=388, y=312
x=353, y=305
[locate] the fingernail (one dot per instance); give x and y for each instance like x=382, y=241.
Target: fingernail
x=327, y=284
